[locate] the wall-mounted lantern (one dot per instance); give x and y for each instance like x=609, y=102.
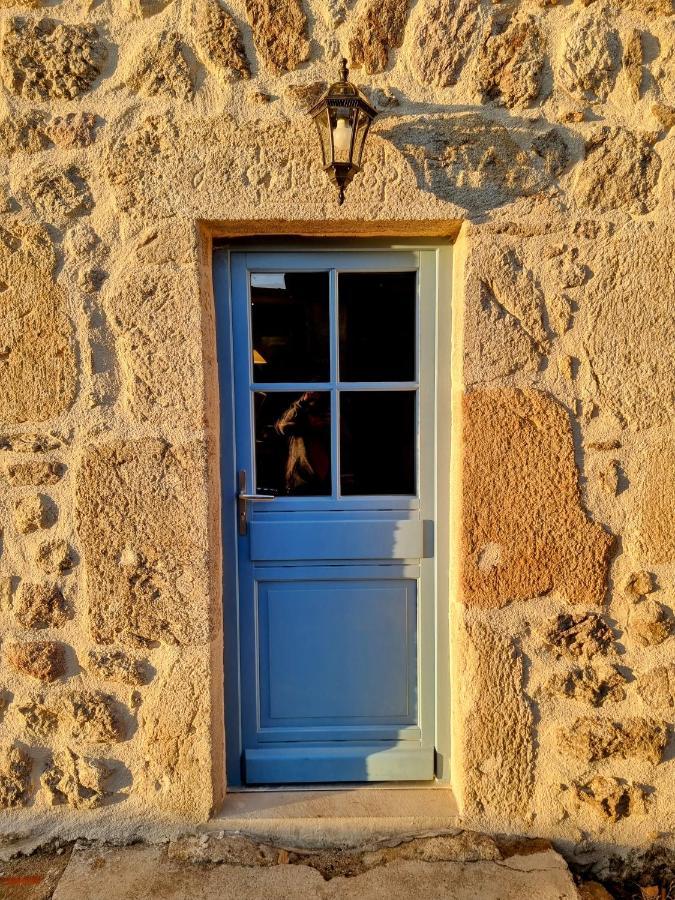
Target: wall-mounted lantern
x=342, y=118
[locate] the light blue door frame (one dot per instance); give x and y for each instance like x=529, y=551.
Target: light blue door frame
x=331, y=610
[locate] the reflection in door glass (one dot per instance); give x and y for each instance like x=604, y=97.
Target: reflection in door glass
x=292, y=443
x=289, y=322
x=377, y=326
x=377, y=442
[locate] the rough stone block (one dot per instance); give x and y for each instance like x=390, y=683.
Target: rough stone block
x=92, y=717
x=611, y=798
x=44, y=660
x=497, y=743
x=657, y=686
x=510, y=65
x=279, y=32
x=650, y=623
x=444, y=32
x=75, y=780
x=377, y=29
x=116, y=665
x=33, y=473
x=161, y=69
x=593, y=739
x=40, y=605
x=146, y=581
x=40, y=718
x=577, y=635
x=593, y=685
x=38, y=373
x=520, y=494
x=219, y=40
x=45, y=59
x=73, y=130
x=654, y=505
x=32, y=513
x=621, y=170
x=54, y=557
x=591, y=56
x=15, y=771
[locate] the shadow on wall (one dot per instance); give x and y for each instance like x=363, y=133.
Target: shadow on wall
x=479, y=163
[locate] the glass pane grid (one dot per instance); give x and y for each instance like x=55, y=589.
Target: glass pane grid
x=344, y=437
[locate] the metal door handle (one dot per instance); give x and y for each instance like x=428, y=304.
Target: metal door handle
x=243, y=498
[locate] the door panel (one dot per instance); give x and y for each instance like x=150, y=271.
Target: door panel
x=337, y=653
x=334, y=364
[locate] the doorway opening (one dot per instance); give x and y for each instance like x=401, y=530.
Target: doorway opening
x=334, y=372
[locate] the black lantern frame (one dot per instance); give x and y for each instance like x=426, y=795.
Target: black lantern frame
x=342, y=118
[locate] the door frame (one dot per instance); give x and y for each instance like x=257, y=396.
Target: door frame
x=221, y=274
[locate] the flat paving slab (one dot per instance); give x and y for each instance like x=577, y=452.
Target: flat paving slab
x=152, y=872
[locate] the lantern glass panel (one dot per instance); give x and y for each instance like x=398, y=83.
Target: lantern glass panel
x=343, y=130
x=362, y=126
x=322, y=122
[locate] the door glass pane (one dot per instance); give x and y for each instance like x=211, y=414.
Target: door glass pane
x=377, y=326
x=377, y=442
x=292, y=443
x=289, y=320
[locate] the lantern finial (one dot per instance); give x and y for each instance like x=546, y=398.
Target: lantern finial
x=344, y=71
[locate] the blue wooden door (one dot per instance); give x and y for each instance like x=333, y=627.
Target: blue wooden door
x=333, y=378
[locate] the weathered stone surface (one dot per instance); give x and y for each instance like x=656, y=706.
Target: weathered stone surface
x=377, y=29
x=15, y=770
x=471, y=160
x=32, y=513
x=620, y=172
x=553, y=150
x=139, y=869
x=443, y=35
x=142, y=576
x=161, y=69
x=75, y=780
x=620, y=334
x=218, y=40
x=41, y=719
x=590, y=57
x=45, y=59
x=611, y=798
x=177, y=771
x=649, y=623
x=279, y=32
x=638, y=584
x=520, y=493
x=40, y=605
x=116, y=665
x=510, y=64
x=23, y=133
x=73, y=130
x=33, y=473
x=633, y=59
x=577, y=635
x=28, y=442
x=6, y=590
x=593, y=685
x=654, y=509
x=497, y=733
x=37, y=360
x=57, y=195
x=657, y=687
x=54, y=557
x=143, y=9
x=44, y=660
x=305, y=96
x=143, y=305
x=664, y=114
x=92, y=717
x=593, y=739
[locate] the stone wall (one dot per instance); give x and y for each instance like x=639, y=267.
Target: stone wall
x=132, y=130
